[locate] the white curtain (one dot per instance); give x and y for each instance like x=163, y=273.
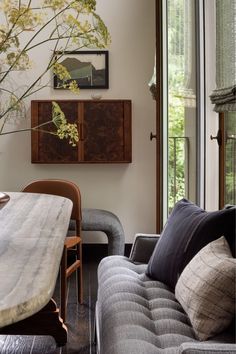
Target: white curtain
x=224, y=96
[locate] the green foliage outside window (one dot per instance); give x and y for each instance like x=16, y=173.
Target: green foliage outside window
x=176, y=109
x=230, y=159
x=176, y=148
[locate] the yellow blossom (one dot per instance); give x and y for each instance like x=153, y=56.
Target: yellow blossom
x=84, y=5
x=61, y=72
x=7, y=5
x=55, y=4
x=24, y=17
x=65, y=130
x=73, y=87
x=19, y=60
x=68, y=25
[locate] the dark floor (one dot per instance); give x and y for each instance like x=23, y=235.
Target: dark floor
x=80, y=322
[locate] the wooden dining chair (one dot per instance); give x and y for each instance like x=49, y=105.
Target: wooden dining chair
x=72, y=244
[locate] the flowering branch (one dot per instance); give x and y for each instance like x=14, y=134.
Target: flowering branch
x=73, y=24
x=63, y=128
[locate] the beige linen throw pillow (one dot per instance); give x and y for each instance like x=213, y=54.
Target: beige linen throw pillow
x=206, y=289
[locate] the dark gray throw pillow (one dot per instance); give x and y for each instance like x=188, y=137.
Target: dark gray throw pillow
x=187, y=230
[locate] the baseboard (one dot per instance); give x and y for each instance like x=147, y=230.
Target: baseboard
x=97, y=251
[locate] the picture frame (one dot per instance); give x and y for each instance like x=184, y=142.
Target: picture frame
x=88, y=68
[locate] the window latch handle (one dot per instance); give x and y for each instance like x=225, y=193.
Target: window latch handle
x=218, y=137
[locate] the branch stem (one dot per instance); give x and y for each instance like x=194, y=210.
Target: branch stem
x=30, y=129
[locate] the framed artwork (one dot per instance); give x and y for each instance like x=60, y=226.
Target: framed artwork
x=88, y=68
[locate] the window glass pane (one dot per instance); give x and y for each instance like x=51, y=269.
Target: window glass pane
x=182, y=131
x=230, y=158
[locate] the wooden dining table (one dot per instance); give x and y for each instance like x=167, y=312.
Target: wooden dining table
x=33, y=228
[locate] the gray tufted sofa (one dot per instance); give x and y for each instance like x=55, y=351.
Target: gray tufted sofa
x=137, y=315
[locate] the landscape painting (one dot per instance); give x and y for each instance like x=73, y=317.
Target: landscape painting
x=88, y=68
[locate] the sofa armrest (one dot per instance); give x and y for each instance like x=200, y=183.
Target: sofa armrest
x=143, y=247
x=207, y=348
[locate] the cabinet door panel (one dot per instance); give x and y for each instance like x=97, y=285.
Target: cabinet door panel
x=103, y=131
x=51, y=149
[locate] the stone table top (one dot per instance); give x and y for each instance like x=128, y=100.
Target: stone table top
x=33, y=228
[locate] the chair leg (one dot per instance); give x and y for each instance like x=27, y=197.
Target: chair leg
x=63, y=284
x=80, y=274
x=94, y=330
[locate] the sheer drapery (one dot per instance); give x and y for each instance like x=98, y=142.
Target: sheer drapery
x=224, y=96
x=152, y=83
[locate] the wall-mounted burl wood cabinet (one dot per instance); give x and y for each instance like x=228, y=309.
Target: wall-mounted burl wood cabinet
x=104, y=129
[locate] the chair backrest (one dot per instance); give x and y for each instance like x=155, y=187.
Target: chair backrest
x=62, y=188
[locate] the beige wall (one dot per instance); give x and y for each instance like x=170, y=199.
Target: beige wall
x=128, y=190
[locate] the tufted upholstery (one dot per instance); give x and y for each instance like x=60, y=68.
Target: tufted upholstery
x=137, y=315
